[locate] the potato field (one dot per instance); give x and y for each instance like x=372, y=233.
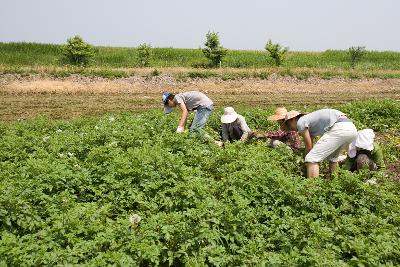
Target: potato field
x=124, y=189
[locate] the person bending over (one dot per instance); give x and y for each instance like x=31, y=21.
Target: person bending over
x=334, y=128
x=188, y=102
x=282, y=136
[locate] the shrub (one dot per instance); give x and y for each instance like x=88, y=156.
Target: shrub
x=276, y=52
x=213, y=50
x=355, y=54
x=77, y=52
x=144, y=55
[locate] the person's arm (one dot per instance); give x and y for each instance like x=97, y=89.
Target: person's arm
x=278, y=135
x=308, y=141
x=294, y=140
x=245, y=128
x=184, y=116
x=258, y=135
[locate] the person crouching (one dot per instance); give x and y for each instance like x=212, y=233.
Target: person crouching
x=364, y=153
x=234, y=126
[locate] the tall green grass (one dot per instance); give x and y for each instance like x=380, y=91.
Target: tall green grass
x=33, y=54
x=28, y=54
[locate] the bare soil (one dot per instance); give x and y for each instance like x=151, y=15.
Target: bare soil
x=393, y=170
x=24, y=97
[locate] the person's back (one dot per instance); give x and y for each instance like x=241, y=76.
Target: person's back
x=193, y=100
x=318, y=122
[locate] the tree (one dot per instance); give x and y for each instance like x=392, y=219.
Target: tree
x=276, y=52
x=144, y=54
x=355, y=54
x=213, y=49
x=77, y=52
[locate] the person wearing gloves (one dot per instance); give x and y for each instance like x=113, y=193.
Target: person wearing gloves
x=334, y=128
x=364, y=153
x=188, y=102
x=234, y=126
x=282, y=136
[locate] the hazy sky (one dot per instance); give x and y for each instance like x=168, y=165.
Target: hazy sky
x=313, y=25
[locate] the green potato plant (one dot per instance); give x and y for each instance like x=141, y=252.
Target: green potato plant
x=69, y=188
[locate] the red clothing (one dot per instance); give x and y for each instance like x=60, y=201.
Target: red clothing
x=290, y=137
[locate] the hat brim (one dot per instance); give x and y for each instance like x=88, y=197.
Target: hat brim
x=228, y=118
x=276, y=117
x=292, y=116
x=167, y=109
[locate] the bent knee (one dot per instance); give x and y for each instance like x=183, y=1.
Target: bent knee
x=312, y=158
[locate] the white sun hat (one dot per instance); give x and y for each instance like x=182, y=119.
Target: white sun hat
x=365, y=140
x=229, y=115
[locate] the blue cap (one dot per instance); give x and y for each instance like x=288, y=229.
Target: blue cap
x=165, y=96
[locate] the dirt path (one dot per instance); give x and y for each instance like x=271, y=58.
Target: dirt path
x=25, y=97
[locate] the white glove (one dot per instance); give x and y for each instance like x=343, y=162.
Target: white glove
x=180, y=129
x=219, y=143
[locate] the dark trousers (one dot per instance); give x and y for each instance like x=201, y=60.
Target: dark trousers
x=236, y=135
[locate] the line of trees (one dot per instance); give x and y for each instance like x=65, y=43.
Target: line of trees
x=78, y=52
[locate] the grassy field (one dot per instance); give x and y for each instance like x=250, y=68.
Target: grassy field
x=121, y=62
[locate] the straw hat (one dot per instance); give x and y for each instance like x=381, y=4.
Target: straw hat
x=280, y=114
x=229, y=115
x=292, y=114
